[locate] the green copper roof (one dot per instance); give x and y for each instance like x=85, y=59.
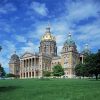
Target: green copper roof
x=69, y=41
x=86, y=50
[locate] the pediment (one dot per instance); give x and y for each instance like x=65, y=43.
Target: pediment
x=27, y=54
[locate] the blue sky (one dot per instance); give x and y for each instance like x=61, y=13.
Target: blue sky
x=23, y=22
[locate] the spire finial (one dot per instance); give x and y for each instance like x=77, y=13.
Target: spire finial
x=15, y=52
x=69, y=35
x=86, y=46
x=48, y=24
x=86, y=49
x=48, y=27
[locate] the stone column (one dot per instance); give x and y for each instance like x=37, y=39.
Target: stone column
x=34, y=67
x=25, y=67
x=22, y=68
x=28, y=68
x=41, y=64
x=31, y=68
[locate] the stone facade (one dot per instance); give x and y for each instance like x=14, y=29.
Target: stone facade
x=32, y=65
x=69, y=57
x=48, y=44
x=14, y=64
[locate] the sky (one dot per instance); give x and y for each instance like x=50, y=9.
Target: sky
x=23, y=22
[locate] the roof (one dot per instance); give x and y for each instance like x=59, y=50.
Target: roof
x=86, y=50
x=69, y=41
x=14, y=58
x=48, y=35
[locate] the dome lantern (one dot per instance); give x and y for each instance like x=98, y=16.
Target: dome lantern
x=48, y=30
x=69, y=41
x=86, y=49
x=48, y=35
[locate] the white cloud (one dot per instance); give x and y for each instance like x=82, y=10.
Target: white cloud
x=38, y=31
x=8, y=46
x=30, y=47
x=80, y=10
x=89, y=32
x=8, y=49
x=60, y=38
x=8, y=7
x=6, y=27
x=40, y=8
x=20, y=38
x=59, y=49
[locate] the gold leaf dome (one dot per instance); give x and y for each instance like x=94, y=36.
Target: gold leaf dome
x=48, y=35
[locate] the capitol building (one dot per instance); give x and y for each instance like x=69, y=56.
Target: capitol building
x=32, y=65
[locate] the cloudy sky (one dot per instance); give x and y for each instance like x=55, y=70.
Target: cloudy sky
x=23, y=22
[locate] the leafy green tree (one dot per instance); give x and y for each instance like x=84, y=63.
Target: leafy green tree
x=2, y=71
x=81, y=70
x=92, y=61
x=10, y=75
x=58, y=70
x=46, y=73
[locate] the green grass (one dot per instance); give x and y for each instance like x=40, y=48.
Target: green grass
x=49, y=89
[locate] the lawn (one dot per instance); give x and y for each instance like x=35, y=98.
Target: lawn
x=49, y=89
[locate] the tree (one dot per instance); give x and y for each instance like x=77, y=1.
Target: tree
x=46, y=73
x=81, y=70
x=91, y=65
x=58, y=70
x=11, y=75
x=92, y=61
x=2, y=71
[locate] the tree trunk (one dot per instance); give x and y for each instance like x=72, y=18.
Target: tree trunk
x=96, y=76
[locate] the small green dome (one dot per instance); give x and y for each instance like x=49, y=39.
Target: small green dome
x=86, y=50
x=69, y=41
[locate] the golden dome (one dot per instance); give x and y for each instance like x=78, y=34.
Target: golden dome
x=48, y=35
